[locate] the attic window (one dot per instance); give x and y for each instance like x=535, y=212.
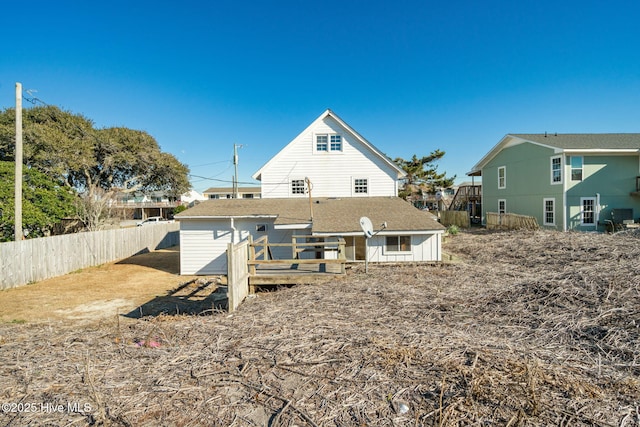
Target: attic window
x=322, y=142
x=328, y=142
x=261, y=228
x=336, y=143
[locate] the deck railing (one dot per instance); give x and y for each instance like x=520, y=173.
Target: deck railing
x=260, y=251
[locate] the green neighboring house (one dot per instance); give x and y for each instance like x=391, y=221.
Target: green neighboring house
x=566, y=181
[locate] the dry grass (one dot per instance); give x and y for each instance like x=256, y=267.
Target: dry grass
x=530, y=329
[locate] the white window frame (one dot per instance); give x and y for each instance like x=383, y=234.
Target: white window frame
x=356, y=185
x=552, y=211
x=502, y=180
x=295, y=184
x=583, y=211
x=503, y=210
x=398, y=244
x=581, y=168
x=321, y=147
x=334, y=143
x=559, y=170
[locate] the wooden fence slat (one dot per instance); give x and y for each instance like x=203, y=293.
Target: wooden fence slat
x=32, y=260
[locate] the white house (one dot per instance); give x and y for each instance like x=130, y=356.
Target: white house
x=319, y=185
x=332, y=160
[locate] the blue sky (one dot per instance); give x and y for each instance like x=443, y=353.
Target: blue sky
x=410, y=76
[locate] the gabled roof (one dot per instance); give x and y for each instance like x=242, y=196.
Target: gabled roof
x=330, y=216
x=567, y=143
x=328, y=113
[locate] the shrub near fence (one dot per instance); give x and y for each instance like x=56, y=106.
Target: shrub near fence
x=32, y=260
x=509, y=221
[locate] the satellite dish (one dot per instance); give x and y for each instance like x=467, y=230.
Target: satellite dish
x=367, y=226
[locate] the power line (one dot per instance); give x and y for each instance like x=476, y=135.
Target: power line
x=204, y=178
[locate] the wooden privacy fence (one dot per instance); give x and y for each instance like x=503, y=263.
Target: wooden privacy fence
x=237, y=273
x=32, y=260
x=457, y=218
x=509, y=221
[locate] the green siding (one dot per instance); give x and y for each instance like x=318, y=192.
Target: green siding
x=613, y=178
x=528, y=182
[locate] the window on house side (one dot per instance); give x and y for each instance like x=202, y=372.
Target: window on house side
x=588, y=214
x=361, y=186
x=502, y=177
x=336, y=143
x=322, y=142
x=297, y=186
x=502, y=206
x=398, y=244
x=549, y=212
x=576, y=168
x=556, y=170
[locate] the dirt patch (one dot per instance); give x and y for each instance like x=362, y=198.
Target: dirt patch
x=141, y=285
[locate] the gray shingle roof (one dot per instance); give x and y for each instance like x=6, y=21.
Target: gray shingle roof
x=329, y=215
x=588, y=141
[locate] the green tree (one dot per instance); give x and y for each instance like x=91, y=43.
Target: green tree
x=423, y=175
x=97, y=163
x=44, y=202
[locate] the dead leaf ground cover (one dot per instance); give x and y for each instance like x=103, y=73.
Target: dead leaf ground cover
x=530, y=328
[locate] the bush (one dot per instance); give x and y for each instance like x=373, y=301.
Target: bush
x=453, y=230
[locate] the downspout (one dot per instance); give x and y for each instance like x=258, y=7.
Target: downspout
x=233, y=231
x=597, y=210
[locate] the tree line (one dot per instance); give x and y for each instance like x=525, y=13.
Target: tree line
x=72, y=168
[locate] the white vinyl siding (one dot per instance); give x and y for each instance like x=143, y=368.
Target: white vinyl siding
x=423, y=247
x=331, y=175
x=203, y=247
x=203, y=243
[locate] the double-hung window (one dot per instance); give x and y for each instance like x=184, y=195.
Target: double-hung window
x=556, y=170
x=576, y=168
x=502, y=206
x=502, y=177
x=549, y=214
x=588, y=211
x=398, y=244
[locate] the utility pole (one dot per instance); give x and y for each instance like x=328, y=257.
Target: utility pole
x=236, y=191
x=18, y=158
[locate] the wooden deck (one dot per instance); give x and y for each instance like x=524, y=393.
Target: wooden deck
x=267, y=271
